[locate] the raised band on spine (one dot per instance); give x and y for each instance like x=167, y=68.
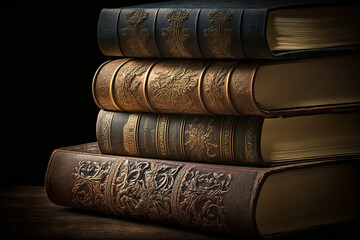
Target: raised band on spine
x=94, y=84
x=117, y=34
x=227, y=91
x=112, y=81
x=200, y=92
x=154, y=31
x=197, y=31
x=182, y=135
x=146, y=97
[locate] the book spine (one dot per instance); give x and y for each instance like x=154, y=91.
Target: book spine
x=177, y=86
x=253, y=32
x=107, y=29
x=210, y=139
x=184, y=33
x=197, y=196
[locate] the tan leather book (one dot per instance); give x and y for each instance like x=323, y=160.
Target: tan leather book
x=265, y=88
x=244, y=201
x=234, y=140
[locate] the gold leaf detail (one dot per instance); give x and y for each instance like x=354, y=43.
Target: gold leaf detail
x=251, y=149
x=131, y=79
x=162, y=136
x=130, y=134
x=172, y=88
x=104, y=130
x=219, y=34
x=176, y=35
x=215, y=79
x=136, y=33
x=227, y=139
x=200, y=139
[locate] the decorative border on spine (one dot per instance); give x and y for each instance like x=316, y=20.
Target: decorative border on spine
x=227, y=139
x=182, y=137
x=131, y=133
x=104, y=130
x=252, y=147
x=162, y=136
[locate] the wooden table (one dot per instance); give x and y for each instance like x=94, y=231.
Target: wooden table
x=26, y=212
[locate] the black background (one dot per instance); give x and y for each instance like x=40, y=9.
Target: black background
x=51, y=54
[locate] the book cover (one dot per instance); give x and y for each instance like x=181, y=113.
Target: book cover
x=233, y=200
x=247, y=140
x=229, y=29
x=263, y=88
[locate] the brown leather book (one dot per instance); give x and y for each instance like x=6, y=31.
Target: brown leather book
x=245, y=201
x=264, y=88
x=234, y=140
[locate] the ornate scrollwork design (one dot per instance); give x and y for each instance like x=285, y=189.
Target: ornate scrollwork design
x=144, y=189
x=201, y=199
x=153, y=190
x=89, y=188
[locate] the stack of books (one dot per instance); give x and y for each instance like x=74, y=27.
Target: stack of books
x=233, y=117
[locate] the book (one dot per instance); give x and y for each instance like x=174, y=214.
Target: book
x=244, y=201
x=230, y=29
x=254, y=141
x=264, y=88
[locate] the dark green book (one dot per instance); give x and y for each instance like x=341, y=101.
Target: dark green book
x=230, y=29
x=252, y=141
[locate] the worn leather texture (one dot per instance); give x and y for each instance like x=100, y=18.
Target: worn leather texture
x=198, y=29
x=188, y=87
x=208, y=197
x=194, y=138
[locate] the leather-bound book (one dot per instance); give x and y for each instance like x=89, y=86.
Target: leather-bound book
x=264, y=88
x=230, y=29
x=244, y=201
x=254, y=141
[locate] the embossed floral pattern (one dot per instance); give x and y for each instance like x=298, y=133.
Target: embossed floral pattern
x=136, y=33
x=89, y=189
x=144, y=189
x=172, y=88
x=153, y=190
x=201, y=199
x=131, y=79
x=200, y=139
x=219, y=34
x=176, y=35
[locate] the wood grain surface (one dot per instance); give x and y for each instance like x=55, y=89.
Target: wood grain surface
x=26, y=212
